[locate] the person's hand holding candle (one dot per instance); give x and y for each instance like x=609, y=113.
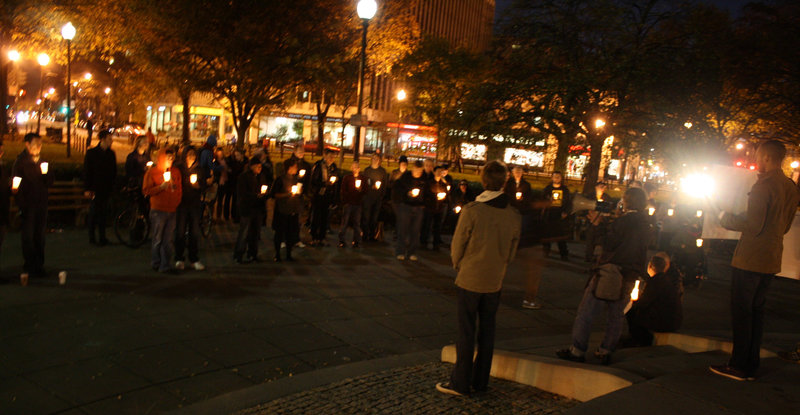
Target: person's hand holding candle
x=44, y=166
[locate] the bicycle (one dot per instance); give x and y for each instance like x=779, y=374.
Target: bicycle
x=207, y=217
x=132, y=225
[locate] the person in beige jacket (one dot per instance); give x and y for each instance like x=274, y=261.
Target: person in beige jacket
x=484, y=243
x=771, y=206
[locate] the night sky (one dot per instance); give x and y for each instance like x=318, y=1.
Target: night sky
x=733, y=6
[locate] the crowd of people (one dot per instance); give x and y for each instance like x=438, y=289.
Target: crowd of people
x=504, y=222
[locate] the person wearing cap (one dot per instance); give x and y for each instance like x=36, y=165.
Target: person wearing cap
x=376, y=184
x=31, y=197
x=251, y=196
x=100, y=173
x=409, y=203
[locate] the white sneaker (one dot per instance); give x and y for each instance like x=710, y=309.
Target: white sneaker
x=198, y=266
x=180, y=265
x=413, y=257
x=300, y=245
x=531, y=305
x=401, y=257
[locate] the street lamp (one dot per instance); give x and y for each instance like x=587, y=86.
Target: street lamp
x=366, y=11
x=68, y=33
x=107, y=90
x=43, y=60
x=599, y=123
x=13, y=55
x=401, y=95
x=87, y=76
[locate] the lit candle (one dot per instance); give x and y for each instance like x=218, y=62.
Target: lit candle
x=556, y=196
x=193, y=179
x=635, y=292
x=670, y=212
x=295, y=189
x=699, y=213
x=448, y=187
x=358, y=183
x=415, y=192
x=651, y=211
x=699, y=243
x=15, y=182
x=149, y=164
x=44, y=166
x=519, y=195
x=333, y=179
x=167, y=176
x=378, y=184
x=457, y=209
x=441, y=195
x=263, y=189
x=301, y=173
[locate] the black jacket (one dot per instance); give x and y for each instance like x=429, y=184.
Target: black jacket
x=33, y=190
x=100, y=170
x=432, y=202
x=322, y=186
x=191, y=194
x=659, y=307
x=402, y=187
x=5, y=193
x=625, y=243
x=135, y=166
x=372, y=176
x=248, y=193
x=523, y=204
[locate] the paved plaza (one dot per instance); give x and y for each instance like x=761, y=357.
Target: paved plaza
x=120, y=338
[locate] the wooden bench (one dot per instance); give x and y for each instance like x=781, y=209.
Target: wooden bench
x=64, y=196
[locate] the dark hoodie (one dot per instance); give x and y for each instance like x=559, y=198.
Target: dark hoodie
x=33, y=188
x=191, y=194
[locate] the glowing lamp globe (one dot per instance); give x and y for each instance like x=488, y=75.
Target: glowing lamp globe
x=43, y=59
x=367, y=9
x=68, y=31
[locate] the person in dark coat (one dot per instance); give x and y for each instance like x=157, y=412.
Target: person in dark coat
x=251, y=195
x=556, y=215
x=189, y=211
x=31, y=197
x=100, y=165
x=377, y=181
x=353, y=189
x=408, y=201
x=437, y=200
x=5, y=195
x=658, y=308
x=287, y=191
x=89, y=132
x=324, y=185
x=236, y=165
x=136, y=163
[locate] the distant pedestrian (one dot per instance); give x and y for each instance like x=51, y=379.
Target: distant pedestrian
x=31, y=196
x=287, y=191
x=377, y=181
x=163, y=183
x=625, y=254
x=100, y=165
x=484, y=243
x=556, y=216
x=89, y=132
x=252, y=194
x=771, y=207
x=5, y=195
x=189, y=212
x=353, y=189
x=408, y=202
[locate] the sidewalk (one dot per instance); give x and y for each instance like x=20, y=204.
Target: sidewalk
x=119, y=338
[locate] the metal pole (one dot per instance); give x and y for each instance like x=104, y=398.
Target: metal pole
x=69, y=104
x=357, y=141
x=41, y=99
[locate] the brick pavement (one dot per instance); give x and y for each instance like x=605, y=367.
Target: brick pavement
x=410, y=390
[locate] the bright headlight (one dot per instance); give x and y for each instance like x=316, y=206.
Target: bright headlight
x=697, y=185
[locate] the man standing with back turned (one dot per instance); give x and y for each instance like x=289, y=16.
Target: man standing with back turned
x=771, y=206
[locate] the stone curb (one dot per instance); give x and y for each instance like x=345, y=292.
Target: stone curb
x=232, y=402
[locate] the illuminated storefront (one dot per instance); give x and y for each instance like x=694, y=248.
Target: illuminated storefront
x=522, y=157
x=473, y=152
x=415, y=140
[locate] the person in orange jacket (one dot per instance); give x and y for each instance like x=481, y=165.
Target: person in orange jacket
x=163, y=184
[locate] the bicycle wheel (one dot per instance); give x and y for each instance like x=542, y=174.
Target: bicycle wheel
x=132, y=227
x=206, y=221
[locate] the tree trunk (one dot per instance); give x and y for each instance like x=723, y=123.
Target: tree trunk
x=322, y=116
x=560, y=163
x=241, y=131
x=3, y=97
x=593, y=167
x=185, y=97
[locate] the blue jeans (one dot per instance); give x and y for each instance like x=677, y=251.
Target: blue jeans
x=163, y=224
x=351, y=217
x=409, y=224
x=591, y=306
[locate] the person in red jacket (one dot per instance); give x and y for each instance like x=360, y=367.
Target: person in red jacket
x=354, y=186
x=163, y=184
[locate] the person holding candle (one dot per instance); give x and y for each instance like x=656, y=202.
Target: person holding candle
x=250, y=203
x=658, y=308
x=324, y=186
x=236, y=164
x=287, y=191
x=437, y=200
x=31, y=197
x=377, y=182
x=556, y=222
x=100, y=173
x=187, y=216
x=409, y=204
x=354, y=187
x=625, y=247
x=402, y=167
x=484, y=243
x=164, y=184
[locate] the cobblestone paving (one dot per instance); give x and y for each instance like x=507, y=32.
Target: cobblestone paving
x=411, y=390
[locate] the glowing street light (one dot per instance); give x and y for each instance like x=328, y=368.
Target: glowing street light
x=13, y=55
x=739, y=146
x=688, y=125
x=43, y=59
x=87, y=76
x=401, y=95
x=599, y=123
x=795, y=164
x=107, y=91
x=51, y=91
x=366, y=10
x=68, y=32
